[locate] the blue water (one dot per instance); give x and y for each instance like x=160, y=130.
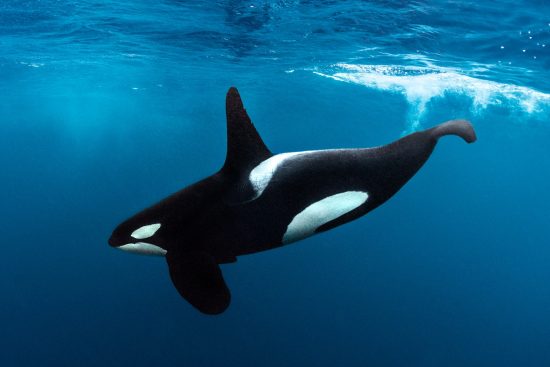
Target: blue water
x=107, y=107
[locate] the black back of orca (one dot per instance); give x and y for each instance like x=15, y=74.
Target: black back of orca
x=259, y=201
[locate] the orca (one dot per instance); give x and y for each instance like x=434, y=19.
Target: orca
x=260, y=201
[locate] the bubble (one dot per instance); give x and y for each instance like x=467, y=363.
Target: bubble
x=523, y=50
x=501, y=47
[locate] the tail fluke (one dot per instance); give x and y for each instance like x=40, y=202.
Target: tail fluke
x=461, y=128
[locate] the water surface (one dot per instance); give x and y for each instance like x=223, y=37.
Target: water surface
x=107, y=107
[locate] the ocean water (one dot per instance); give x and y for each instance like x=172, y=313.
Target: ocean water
x=108, y=106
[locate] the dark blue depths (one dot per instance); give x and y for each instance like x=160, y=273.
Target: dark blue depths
x=107, y=108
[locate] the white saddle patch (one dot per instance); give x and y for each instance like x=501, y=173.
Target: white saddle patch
x=307, y=221
x=145, y=231
x=143, y=248
x=262, y=174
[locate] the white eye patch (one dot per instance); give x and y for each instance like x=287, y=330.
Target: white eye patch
x=145, y=231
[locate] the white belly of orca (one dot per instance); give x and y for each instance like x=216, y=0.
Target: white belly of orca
x=315, y=215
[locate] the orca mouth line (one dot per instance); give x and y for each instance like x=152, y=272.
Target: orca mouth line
x=116, y=241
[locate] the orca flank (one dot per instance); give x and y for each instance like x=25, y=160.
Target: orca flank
x=259, y=201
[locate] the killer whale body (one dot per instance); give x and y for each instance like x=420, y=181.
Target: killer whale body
x=259, y=201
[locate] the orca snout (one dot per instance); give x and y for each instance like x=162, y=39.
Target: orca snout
x=116, y=240
x=120, y=235
x=112, y=241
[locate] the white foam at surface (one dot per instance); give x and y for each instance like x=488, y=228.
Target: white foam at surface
x=421, y=84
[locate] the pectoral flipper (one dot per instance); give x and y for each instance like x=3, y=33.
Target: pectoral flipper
x=198, y=279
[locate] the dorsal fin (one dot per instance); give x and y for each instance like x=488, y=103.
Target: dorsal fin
x=245, y=148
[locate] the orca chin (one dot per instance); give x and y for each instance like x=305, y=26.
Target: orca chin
x=143, y=248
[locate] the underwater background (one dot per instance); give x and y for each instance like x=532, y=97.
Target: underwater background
x=108, y=106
